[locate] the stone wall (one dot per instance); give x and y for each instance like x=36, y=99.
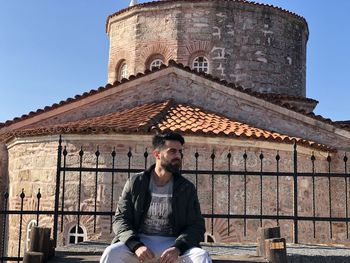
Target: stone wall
x=257, y=47
x=33, y=165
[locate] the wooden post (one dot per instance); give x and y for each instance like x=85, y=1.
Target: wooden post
x=276, y=251
x=40, y=240
x=266, y=233
x=33, y=257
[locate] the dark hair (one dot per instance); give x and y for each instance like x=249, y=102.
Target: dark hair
x=159, y=139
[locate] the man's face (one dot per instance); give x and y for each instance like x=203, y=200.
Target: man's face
x=170, y=156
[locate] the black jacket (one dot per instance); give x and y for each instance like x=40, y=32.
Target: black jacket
x=186, y=218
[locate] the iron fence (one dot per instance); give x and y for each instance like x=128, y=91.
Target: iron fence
x=61, y=210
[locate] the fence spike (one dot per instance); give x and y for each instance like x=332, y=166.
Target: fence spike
x=212, y=156
x=81, y=152
x=129, y=153
x=39, y=194
x=261, y=156
x=65, y=152
x=97, y=153
x=196, y=155
x=245, y=156
x=113, y=153
x=22, y=194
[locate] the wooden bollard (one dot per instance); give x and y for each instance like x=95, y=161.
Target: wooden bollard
x=33, y=257
x=276, y=251
x=266, y=233
x=40, y=240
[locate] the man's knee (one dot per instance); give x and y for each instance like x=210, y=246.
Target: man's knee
x=196, y=255
x=116, y=251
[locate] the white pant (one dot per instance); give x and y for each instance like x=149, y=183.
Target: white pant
x=120, y=253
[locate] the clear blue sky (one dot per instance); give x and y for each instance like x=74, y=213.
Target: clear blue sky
x=54, y=49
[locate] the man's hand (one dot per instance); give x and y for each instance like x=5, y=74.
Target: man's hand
x=170, y=255
x=144, y=253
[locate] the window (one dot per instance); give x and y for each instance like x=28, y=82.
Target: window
x=29, y=229
x=209, y=238
x=76, y=235
x=123, y=71
x=156, y=63
x=201, y=64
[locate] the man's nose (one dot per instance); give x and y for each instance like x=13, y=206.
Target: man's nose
x=178, y=154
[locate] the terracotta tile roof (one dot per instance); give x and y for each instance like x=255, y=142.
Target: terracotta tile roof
x=275, y=98
x=162, y=116
x=243, y=2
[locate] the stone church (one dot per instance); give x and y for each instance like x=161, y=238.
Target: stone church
x=228, y=74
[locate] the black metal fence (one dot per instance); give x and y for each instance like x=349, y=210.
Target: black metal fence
x=64, y=170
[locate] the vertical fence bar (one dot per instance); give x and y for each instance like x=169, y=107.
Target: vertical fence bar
x=345, y=159
x=295, y=202
x=81, y=154
x=228, y=192
x=245, y=156
x=212, y=156
x=145, y=155
x=20, y=225
x=278, y=186
x=57, y=191
x=329, y=160
x=129, y=162
x=65, y=152
x=97, y=154
x=196, y=155
x=261, y=157
x=38, y=196
x=313, y=158
x=113, y=154
x=4, y=219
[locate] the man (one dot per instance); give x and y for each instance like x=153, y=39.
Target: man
x=158, y=218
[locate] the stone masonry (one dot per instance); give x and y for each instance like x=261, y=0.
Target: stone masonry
x=258, y=47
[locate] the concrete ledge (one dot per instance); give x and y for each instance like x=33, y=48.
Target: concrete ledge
x=221, y=253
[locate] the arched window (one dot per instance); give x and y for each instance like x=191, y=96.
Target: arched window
x=156, y=63
x=201, y=64
x=123, y=71
x=29, y=229
x=209, y=238
x=76, y=235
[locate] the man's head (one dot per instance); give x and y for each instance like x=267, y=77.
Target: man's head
x=167, y=149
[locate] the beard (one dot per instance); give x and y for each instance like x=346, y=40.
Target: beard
x=173, y=166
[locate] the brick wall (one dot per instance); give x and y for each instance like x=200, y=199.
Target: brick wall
x=261, y=48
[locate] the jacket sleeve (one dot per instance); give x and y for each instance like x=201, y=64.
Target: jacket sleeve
x=194, y=231
x=123, y=223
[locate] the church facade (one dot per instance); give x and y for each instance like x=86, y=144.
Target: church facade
x=230, y=76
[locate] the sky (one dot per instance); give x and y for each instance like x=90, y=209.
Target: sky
x=51, y=50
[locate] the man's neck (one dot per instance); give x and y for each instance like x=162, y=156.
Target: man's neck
x=161, y=177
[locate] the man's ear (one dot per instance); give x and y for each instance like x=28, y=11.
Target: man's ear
x=156, y=154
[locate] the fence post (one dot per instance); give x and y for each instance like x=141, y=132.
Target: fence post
x=57, y=192
x=295, y=203
x=6, y=196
